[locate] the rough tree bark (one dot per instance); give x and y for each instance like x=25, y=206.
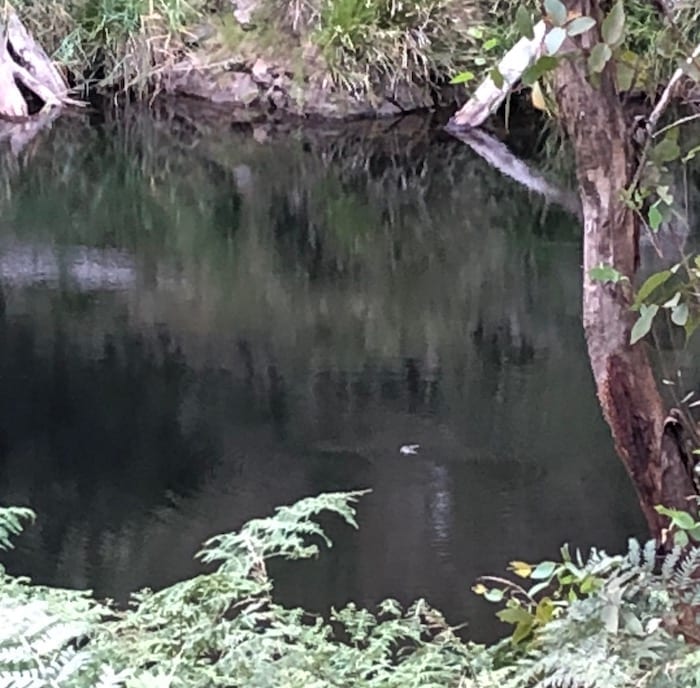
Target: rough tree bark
x=626, y=387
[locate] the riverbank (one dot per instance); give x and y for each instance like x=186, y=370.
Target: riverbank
x=332, y=59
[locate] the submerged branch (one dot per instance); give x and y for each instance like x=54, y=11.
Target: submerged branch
x=497, y=154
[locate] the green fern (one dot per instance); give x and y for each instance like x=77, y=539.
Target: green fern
x=225, y=629
x=11, y=518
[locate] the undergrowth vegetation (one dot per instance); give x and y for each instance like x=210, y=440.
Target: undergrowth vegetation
x=599, y=622
x=358, y=45
x=111, y=44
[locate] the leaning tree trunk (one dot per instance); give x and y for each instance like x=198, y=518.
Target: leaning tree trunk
x=626, y=387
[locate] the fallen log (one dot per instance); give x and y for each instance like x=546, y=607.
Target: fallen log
x=25, y=68
x=488, y=97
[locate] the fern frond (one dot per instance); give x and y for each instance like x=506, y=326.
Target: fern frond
x=11, y=523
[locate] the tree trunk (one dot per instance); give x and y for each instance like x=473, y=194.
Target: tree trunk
x=626, y=387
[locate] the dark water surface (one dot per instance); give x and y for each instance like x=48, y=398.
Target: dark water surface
x=197, y=326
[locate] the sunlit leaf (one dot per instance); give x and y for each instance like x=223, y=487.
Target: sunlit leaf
x=538, y=100
x=543, y=570
x=664, y=194
x=494, y=595
x=491, y=44
x=673, y=302
x=462, y=78
x=554, y=39
x=556, y=11
x=523, y=21
x=613, y=28
x=679, y=315
x=520, y=568
x=580, y=25
x=644, y=322
x=605, y=273
x=599, y=57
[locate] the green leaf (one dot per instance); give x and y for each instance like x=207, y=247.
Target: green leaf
x=556, y=11
x=682, y=520
x=613, y=28
x=521, y=632
x=652, y=283
x=625, y=75
x=496, y=77
x=491, y=44
x=644, y=322
x=605, y=273
x=545, y=64
x=494, y=595
x=599, y=57
x=514, y=615
x=462, y=78
x=679, y=315
x=665, y=151
x=523, y=22
x=664, y=194
x=680, y=538
x=655, y=217
x=554, y=39
x=580, y=25
x=543, y=570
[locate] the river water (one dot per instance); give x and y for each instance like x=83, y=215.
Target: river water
x=198, y=324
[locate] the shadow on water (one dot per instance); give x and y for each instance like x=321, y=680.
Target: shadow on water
x=198, y=324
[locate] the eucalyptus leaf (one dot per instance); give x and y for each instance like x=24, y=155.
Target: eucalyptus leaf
x=580, y=25
x=613, y=28
x=497, y=77
x=652, y=283
x=599, y=57
x=655, y=217
x=666, y=150
x=644, y=322
x=556, y=11
x=523, y=22
x=554, y=39
x=546, y=63
x=679, y=315
x=543, y=570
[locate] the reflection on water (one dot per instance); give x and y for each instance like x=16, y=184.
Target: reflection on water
x=196, y=327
